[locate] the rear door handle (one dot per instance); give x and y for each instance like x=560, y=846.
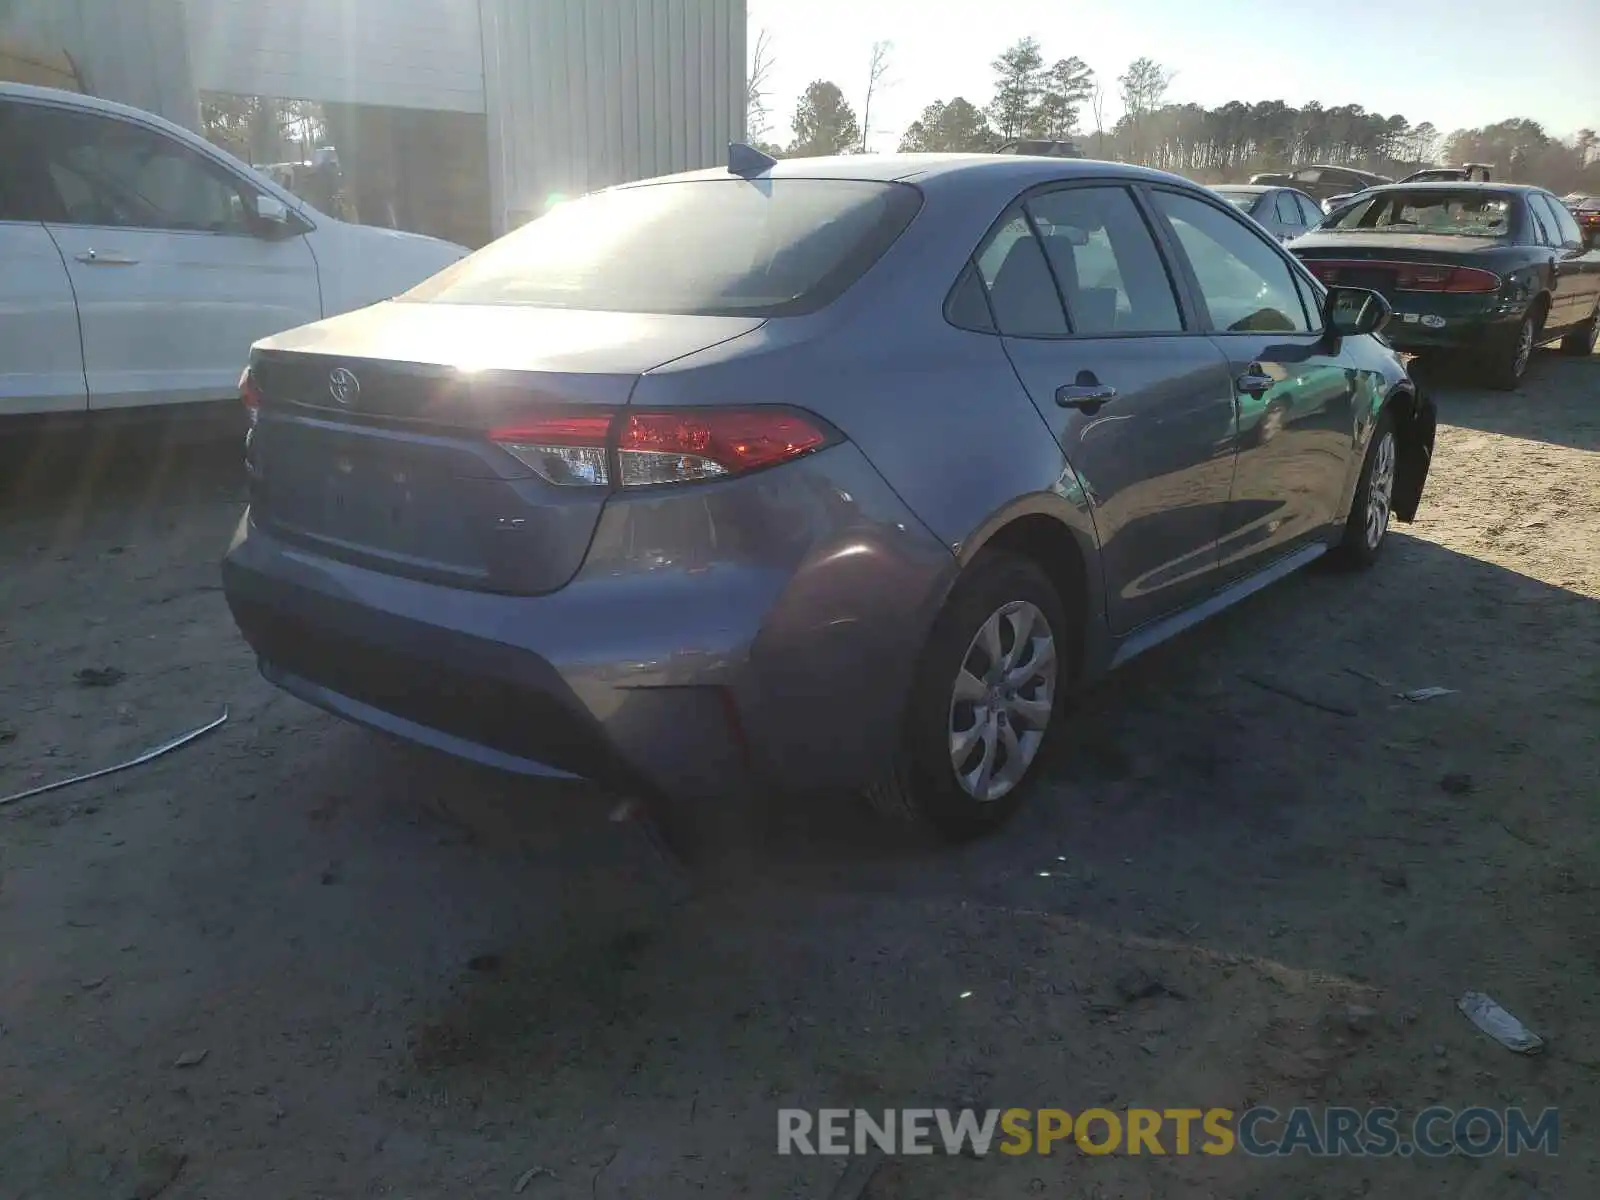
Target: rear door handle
x=93, y=258
x=1085, y=397
x=1254, y=382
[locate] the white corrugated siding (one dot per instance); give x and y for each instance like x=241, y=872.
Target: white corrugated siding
x=583, y=94
x=130, y=51
x=403, y=53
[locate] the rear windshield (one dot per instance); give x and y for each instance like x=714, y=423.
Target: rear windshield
x=1243, y=201
x=712, y=247
x=1464, y=214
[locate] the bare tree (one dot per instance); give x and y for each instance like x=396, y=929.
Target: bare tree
x=757, y=116
x=1097, y=105
x=877, y=68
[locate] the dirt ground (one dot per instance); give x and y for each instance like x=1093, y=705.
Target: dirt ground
x=402, y=976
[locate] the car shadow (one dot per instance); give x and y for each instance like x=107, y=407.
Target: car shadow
x=1558, y=402
x=1189, y=786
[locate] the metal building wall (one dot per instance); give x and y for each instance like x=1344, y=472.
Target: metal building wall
x=132, y=51
x=583, y=94
x=424, y=54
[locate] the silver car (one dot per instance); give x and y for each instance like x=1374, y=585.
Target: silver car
x=1282, y=212
x=826, y=474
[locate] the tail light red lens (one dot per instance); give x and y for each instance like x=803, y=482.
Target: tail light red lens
x=1412, y=276
x=648, y=447
x=250, y=396
x=680, y=447
x=1420, y=278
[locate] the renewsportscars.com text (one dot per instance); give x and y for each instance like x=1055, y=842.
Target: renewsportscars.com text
x=1259, y=1132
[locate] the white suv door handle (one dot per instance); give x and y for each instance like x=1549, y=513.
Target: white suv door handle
x=93, y=258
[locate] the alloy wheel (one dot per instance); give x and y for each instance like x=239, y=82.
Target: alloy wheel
x=1380, y=490
x=1519, y=364
x=1002, y=700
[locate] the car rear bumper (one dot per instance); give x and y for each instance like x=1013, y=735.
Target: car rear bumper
x=757, y=632
x=1419, y=324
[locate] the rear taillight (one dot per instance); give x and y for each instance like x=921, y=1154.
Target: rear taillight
x=566, y=449
x=1412, y=276
x=1421, y=278
x=250, y=396
x=649, y=447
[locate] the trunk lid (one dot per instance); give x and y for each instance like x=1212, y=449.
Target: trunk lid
x=371, y=444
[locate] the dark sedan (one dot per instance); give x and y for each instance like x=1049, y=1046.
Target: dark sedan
x=1488, y=269
x=1321, y=180
x=1284, y=212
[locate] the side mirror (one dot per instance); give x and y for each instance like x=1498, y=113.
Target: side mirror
x=1350, y=312
x=272, y=217
x=272, y=210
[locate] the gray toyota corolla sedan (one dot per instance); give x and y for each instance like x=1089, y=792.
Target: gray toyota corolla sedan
x=823, y=474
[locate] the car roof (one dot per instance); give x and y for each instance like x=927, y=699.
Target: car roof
x=1251, y=187
x=1456, y=186
x=1020, y=169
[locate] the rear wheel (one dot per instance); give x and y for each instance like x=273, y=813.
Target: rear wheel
x=1582, y=340
x=1508, y=362
x=1368, y=526
x=984, y=696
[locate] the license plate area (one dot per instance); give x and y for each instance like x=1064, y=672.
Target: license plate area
x=371, y=499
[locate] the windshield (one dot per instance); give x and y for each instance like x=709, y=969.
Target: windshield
x=1459, y=214
x=1243, y=201
x=715, y=247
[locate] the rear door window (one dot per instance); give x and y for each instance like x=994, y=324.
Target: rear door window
x=1021, y=290
x=1289, y=212
x=1106, y=262
x=1544, y=226
x=1556, y=219
x=1309, y=210
x=714, y=247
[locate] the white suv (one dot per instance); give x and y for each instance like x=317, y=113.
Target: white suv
x=138, y=262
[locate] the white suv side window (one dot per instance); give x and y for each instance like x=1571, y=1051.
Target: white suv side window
x=106, y=171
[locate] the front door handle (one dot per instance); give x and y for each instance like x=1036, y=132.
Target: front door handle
x=1254, y=382
x=1086, y=393
x=93, y=258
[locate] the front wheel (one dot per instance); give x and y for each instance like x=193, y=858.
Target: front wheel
x=1368, y=526
x=981, y=711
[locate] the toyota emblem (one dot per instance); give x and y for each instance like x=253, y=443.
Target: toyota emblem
x=344, y=387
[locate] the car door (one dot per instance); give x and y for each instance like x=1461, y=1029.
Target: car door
x=1570, y=284
x=41, y=358
x=1138, y=399
x=1294, y=387
x=1581, y=261
x=175, y=276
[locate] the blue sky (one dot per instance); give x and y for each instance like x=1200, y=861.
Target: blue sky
x=1453, y=62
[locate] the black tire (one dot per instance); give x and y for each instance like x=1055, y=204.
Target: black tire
x=922, y=787
x=1580, y=343
x=1507, y=362
x=1358, y=549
